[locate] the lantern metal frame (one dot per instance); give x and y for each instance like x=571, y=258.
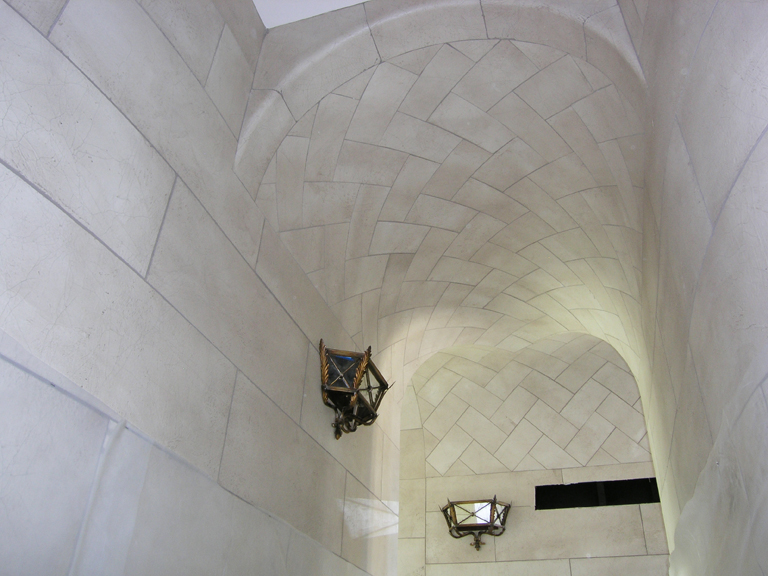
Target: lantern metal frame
x=477, y=517
x=347, y=388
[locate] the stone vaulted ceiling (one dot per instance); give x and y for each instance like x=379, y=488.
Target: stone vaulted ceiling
x=483, y=191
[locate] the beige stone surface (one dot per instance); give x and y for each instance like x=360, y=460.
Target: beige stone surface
x=238, y=336
x=255, y=423
x=650, y=565
x=120, y=202
x=229, y=81
x=401, y=26
x=105, y=329
x=572, y=533
x=198, y=145
x=517, y=178
x=177, y=19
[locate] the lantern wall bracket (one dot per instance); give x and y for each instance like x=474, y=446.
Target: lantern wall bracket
x=351, y=385
x=475, y=518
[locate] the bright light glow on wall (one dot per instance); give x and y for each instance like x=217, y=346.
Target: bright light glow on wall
x=276, y=12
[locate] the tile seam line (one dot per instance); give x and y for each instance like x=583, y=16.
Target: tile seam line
x=160, y=228
x=226, y=428
x=703, y=31
x=701, y=395
x=378, y=144
x=20, y=15
x=261, y=239
x=310, y=348
x=204, y=83
x=485, y=20
x=306, y=159
x=242, y=121
x=309, y=436
x=699, y=193
x=373, y=232
x=216, y=106
x=67, y=213
x=277, y=203
x=175, y=49
x=543, y=468
x=343, y=514
x=104, y=452
x=370, y=33
x=42, y=379
x=55, y=21
x=631, y=39
x=669, y=472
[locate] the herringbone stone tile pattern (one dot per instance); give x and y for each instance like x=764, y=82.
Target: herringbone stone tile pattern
x=564, y=402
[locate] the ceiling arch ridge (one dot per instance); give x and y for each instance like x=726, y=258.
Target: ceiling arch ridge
x=610, y=321
x=609, y=317
x=306, y=60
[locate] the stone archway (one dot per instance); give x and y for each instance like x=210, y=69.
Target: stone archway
x=481, y=421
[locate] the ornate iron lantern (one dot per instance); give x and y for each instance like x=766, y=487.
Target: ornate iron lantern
x=476, y=517
x=348, y=388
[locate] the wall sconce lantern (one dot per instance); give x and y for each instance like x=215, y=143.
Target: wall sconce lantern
x=476, y=517
x=348, y=388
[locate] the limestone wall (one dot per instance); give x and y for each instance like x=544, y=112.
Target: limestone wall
x=704, y=279
x=138, y=280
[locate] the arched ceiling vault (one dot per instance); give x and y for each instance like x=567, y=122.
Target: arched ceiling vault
x=565, y=402
x=470, y=176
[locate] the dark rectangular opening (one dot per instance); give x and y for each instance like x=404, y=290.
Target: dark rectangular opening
x=587, y=494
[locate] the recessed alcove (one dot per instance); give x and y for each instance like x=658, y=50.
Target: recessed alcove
x=483, y=421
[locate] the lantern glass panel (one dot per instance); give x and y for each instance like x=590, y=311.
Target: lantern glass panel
x=341, y=370
x=473, y=513
x=475, y=518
